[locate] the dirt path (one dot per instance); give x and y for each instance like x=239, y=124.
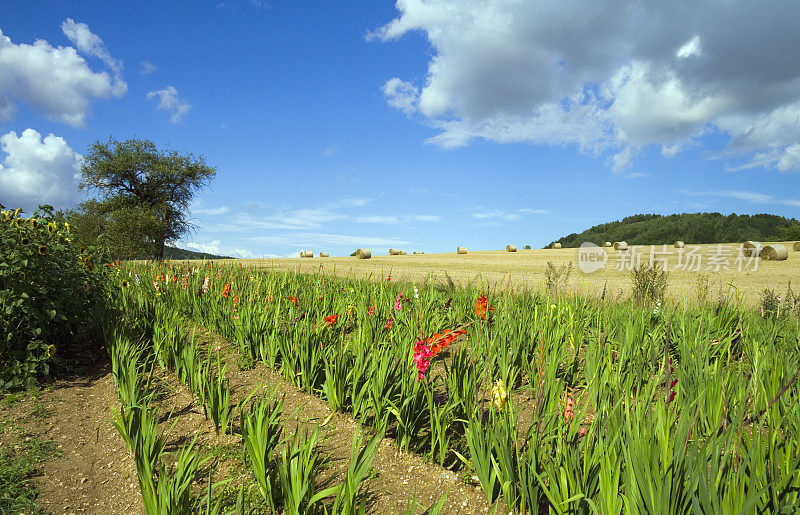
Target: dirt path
x=95, y=472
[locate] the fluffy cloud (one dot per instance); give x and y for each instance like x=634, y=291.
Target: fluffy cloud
x=89, y=43
x=57, y=80
x=37, y=171
x=611, y=76
x=168, y=101
x=215, y=247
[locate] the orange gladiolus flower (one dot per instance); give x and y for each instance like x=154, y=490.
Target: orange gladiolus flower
x=330, y=320
x=293, y=300
x=482, y=306
x=226, y=289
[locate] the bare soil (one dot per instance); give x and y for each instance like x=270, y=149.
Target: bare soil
x=95, y=472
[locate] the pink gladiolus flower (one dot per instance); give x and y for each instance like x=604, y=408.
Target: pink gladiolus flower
x=389, y=323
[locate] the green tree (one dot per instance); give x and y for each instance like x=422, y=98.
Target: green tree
x=144, y=195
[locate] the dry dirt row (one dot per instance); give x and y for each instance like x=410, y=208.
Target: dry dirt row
x=96, y=473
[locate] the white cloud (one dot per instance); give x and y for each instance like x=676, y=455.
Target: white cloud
x=376, y=219
x=210, y=211
x=147, y=68
x=502, y=214
x=217, y=248
x=747, y=196
x=425, y=218
x=89, y=43
x=607, y=76
x=56, y=80
x=401, y=95
x=497, y=214
x=169, y=101
x=38, y=171
x=691, y=48
x=379, y=219
x=329, y=151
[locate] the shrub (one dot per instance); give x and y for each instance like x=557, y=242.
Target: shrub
x=778, y=306
x=649, y=283
x=49, y=292
x=554, y=277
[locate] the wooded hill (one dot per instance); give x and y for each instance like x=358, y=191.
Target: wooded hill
x=689, y=228
x=176, y=254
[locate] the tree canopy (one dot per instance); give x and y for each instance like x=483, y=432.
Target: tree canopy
x=144, y=195
x=652, y=229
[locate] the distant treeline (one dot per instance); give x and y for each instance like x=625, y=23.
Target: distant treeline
x=176, y=254
x=690, y=228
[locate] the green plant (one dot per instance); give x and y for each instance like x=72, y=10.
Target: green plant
x=649, y=283
x=261, y=432
x=50, y=293
x=174, y=495
x=298, y=469
x=359, y=468
x=217, y=394
x=481, y=455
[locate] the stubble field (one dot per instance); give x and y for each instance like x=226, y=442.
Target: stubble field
x=525, y=270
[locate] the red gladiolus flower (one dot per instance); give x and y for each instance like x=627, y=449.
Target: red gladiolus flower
x=330, y=320
x=293, y=300
x=568, y=412
x=226, y=289
x=426, y=350
x=371, y=310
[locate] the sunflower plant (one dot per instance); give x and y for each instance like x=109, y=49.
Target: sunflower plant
x=49, y=293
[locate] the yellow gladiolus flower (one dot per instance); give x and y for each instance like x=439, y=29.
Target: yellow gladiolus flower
x=499, y=394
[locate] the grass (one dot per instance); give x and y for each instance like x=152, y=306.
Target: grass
x=18, y=465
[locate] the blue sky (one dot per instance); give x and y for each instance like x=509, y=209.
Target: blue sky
x=417, y=125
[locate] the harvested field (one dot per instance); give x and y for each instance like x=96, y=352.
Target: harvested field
x=525, y=270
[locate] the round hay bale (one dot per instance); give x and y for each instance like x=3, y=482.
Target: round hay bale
x=394, y=252
x=511, y=248
x=306, y=254
x=620, y=245
x=679, y=244
x=607, y=244
x=775, y=252
x=556, y=245
x=323, y=254
x=402, y=253
x=416, y=252
x=796, y=246
x=752, y=248
x=363, y=254
x=461, y=250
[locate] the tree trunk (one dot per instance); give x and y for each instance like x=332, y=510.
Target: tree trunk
x=161, y=247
